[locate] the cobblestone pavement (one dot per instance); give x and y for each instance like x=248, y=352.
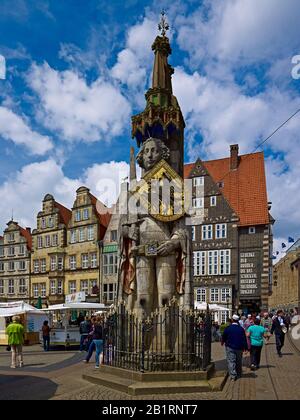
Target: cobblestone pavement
x=59, y=377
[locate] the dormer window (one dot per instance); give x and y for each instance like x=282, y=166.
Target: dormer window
x=251, y=230
x=78, y=216
x=85, y=214
x=220, y=184
x=213, y=201
x=198, y=181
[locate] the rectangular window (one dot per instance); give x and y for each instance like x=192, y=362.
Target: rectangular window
x=221, y=231
x=94, y=287
x=43, y=265
x=47, y=241
x=11, y=237
x=114, y=236
x=251, y=230
x=22, y=250
x=90, y=232
x=11, y=286
x=110, y=264
x=1, y=266
x=81, y=234
x=11, y=266
x=54, y=240
x=72, y=262
x=212, y=263
x=109, y=292
x=22, y=265
x=199, y=263
x=43, y=223
x=11, y=251
x=225, y=295
x=52, y=263
x=227, y=261
x=207, y=232
x=213, y=201
x=36, y=266
x=1, y=287
x=59, y=287
x=78, y=216
x=198, y=181
x=84, y=286
x=60, y=263
x=50, y=222
x=43, y=290
x=198, y=203
x=193, y=233
x=201, y=294
x=72, y=286
x=224, y=316
x=40, y=242
x=73, y=236
x=1, y=251
x=22, y=286
x=35, y=290
x=53, y=287
x=85, y=214
x=94, y=260
x=85, y=260
x=214, y=295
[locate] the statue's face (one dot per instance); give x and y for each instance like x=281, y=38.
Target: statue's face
x=151, y=155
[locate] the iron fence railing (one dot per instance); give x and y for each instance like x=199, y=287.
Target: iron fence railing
x=171, y=339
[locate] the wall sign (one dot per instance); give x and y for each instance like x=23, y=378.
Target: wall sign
x=250, y=273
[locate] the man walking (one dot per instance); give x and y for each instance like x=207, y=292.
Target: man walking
x=280, y=327
x=234, y=338
x=15, y=332
x=85, y=328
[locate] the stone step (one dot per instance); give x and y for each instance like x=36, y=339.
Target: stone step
x=133, y=387
x=158, y=376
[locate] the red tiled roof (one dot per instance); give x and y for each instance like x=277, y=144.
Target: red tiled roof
x=244, y=188
x=103, y=213
x=65, y=213
x=27, y=236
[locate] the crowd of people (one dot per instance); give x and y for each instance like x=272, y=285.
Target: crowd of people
x=248, y=334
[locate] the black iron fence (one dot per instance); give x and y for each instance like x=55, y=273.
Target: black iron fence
x=171, y=339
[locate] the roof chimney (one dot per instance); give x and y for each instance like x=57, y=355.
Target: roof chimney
x=28, y=230
x=234, y=156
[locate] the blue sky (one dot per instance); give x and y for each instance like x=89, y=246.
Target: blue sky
x=78, y=69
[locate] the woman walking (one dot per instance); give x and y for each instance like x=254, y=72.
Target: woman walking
x=97, y=342
x=256, y=334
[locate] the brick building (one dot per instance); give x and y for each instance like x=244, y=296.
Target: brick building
x=232, y=239
x=15, y=249
x=286, y=280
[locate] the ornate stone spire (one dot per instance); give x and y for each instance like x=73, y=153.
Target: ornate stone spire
x=162, y=117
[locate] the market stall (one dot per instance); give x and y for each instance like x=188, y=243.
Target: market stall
x=64, y=320
x=31, y=318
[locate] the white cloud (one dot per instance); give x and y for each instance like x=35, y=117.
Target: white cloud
x=25, y=190
x=240, y=30
x=14, y=128
x=75, y=110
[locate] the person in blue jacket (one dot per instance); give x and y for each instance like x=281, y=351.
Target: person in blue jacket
x=234, y=338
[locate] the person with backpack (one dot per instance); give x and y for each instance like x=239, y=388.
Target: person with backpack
x=84, y=329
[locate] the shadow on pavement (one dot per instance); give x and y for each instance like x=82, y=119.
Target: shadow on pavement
x=17, y=387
